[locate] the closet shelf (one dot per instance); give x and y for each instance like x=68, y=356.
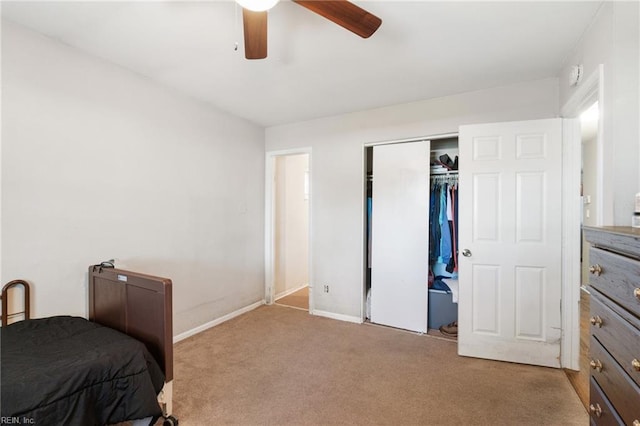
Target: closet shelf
x=447, y=173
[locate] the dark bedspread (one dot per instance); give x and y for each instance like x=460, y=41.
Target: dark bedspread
x=69, y=371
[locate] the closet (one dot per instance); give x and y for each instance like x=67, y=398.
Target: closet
x=411, y=229
x=510, y=239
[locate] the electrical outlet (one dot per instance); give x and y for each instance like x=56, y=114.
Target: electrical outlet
x=326, y=289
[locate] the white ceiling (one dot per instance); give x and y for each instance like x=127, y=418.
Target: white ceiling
x=315, y=68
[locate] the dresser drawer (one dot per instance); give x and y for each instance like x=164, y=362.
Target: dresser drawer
x=600, y=409
x=616, y=276
x=621, y=338
x=621, y=239
x=620, y=390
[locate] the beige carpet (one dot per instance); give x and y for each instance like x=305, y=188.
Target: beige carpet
x=298, y=299
x=281, y=366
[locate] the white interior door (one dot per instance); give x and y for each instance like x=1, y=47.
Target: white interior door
x=400, y=235
x=510, y=225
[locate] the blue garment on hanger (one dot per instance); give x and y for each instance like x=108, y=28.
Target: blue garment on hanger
x=369, y=216
x=445, y=231
x=434, y=224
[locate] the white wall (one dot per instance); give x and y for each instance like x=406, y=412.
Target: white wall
x=614, y=41
x=292, y=218
x=1, y=171
x=99, y=163
x=337, y=209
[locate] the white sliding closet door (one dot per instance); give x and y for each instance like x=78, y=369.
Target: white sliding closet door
x=400, y=235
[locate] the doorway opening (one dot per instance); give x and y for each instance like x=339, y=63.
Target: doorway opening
x=288, y=233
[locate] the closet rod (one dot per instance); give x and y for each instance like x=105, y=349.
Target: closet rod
x=451, y=173
x=448, y=178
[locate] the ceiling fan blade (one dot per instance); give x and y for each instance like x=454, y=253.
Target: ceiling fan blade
x=345, y=14
x=255, y=34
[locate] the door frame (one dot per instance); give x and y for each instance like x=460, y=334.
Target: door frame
x=269, y=223
x=590, y=91
x=432, y=138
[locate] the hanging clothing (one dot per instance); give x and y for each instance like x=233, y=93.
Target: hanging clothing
x=369, y=218
x=443, y=226
x=445, y=231
x=452, y=266
x=434, y=224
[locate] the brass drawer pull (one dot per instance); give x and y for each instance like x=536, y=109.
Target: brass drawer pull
x=636, y=293
x=596, y=365
x=595, y=270
x=596, y=320
x=595, y=409
x=636, y=423
x=635, y=364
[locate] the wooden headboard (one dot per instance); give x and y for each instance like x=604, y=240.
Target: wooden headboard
x=136, y=304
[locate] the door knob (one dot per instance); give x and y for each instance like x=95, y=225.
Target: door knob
x=635, y=364
x=466, y=253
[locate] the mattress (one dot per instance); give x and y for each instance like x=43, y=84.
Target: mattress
x=67, y=370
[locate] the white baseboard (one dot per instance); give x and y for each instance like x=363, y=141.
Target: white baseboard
x=339, y=317
x=288, y=292
x=216, y=321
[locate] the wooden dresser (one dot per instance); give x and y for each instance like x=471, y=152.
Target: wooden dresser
x=614, y=352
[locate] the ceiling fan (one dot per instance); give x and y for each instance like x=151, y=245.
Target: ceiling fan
x=341, y=12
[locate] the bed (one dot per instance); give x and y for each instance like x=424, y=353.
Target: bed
x=115, y=367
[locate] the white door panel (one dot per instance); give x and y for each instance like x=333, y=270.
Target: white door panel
x=510, y=220
x=400, y=235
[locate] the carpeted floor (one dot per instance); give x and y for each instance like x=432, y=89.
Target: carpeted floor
x=298, y=299
x=281, y=366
